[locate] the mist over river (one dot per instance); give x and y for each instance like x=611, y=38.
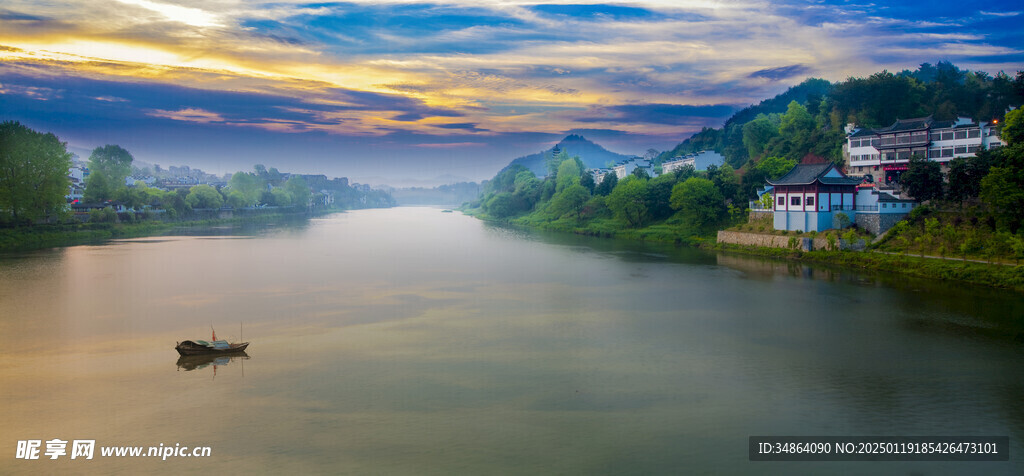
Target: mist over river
x=411, y=341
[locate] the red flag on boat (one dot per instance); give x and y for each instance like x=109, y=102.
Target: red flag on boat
x=214, y=333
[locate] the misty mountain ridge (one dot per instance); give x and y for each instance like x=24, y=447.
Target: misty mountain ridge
x=592, y=155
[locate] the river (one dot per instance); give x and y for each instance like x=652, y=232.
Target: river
x=411, y=341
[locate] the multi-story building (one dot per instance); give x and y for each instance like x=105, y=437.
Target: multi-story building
x=884, y=153
x=698, y=160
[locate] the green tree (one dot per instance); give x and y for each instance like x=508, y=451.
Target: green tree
x=570, y=200
x=659, y=194
x=923, y=179
x=608, y=183
x=204, y=196
x=965, y=174
x=1013, y=127
x=568, y=174
x=236, y=199
x=501, y=205
x=298, y=190
x=641, y=173
x=33, y=173
x=628, y=201
x=1003, y=188
x=757, y=134
x=109, y=166
x=249, y=187
x=587, y=181
x=699, y=202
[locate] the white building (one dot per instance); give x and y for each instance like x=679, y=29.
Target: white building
x=626, y=167
x=884, y=153
x=700, y=161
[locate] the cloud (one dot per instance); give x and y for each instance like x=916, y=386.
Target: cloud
x=670, y=114
x=781, y=72
x=464, y=126
x=189, y=115
x=410, y=72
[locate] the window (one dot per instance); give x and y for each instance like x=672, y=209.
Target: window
x=973, y=148
x=974, y=133
x=960, y=149
x=936, y=136
x=794, y=200
x=810, y=201
x=904, y=205
x=782, y=201
x=960, y=135
x=947, y=135
x=884, y=205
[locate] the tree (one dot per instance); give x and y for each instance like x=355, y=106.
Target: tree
x=501, y=205
x=572, y=199
x=725, y=180
x=1003, y=188
x=965, y=174
x=1013, y=127
x=109, y=166
x=699, y=202
x=608, y=183
x=33, y=173
x=923, y=179
x=299, y=191
x=768, y=168
x=659, y=194
x=568, y=174
x=249, y=187
x=757, y=133
x=641, y=173
x=204, y=196
x=587, y=181
x=627, y=201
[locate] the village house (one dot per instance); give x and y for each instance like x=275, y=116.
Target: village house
x=814, y=197
x=700, y=161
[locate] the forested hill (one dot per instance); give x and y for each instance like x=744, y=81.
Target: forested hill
x=809, y=118
x=592, y=155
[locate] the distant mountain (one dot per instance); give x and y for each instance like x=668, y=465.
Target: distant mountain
x=592, y=155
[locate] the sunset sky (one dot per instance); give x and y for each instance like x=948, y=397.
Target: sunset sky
x=414, y=92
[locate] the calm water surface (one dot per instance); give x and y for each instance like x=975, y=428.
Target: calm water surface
x=410, y=341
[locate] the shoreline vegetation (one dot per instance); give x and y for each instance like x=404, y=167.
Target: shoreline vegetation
x=31, y=238
x=996, y=274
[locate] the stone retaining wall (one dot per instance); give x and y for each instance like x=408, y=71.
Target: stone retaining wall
x=783, y=241
x=878, y=223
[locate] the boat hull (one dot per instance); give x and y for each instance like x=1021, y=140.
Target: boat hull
x=191, y=348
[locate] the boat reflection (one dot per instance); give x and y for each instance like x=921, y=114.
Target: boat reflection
x=195, y=362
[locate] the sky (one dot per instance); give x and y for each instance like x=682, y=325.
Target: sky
x=421, y=93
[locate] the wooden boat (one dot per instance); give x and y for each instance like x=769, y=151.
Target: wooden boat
x=194, y=362
x=202, y=347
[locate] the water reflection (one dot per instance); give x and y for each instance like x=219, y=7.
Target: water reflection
x=195, y=362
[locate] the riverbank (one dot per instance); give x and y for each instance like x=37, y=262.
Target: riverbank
x=665, y=232
x=985, y=274
x=52, y=236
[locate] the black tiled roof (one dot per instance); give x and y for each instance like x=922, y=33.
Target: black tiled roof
x=916, y=123
x=804, y=174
